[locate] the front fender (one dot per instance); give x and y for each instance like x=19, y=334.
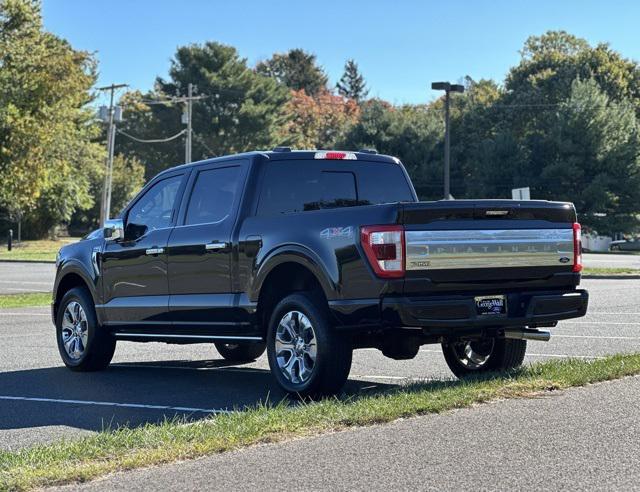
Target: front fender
x=302, y=256
x=74, y=266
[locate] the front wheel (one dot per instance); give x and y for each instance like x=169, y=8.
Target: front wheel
x=306, y=355
x=466, y=358
x=240, y=352
x=83, y=344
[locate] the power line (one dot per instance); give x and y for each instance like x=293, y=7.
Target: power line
x=155, y=140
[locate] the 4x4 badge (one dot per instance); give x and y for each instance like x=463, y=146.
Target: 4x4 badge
x=331, y=232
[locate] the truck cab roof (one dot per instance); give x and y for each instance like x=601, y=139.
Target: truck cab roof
x=284, y=153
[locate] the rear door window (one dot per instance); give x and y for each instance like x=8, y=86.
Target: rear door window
x=213, y=195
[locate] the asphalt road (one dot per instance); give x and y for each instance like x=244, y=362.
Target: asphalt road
x=550, y=443
x=18, y=277
x=41, y=401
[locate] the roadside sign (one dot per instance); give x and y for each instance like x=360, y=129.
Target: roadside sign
x=521, y=193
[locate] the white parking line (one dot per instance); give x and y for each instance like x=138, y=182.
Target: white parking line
x=595, y=337
x=186, y=368
x=612, y=313
x=631, y=323
x=248, y=369
x=113, y=404
x=566, y=356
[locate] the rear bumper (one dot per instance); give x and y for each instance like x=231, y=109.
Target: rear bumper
x=457, y=312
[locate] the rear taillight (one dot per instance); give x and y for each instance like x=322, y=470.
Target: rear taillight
x=577, y=247
x=384, y=247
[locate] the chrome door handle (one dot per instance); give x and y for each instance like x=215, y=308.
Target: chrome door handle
x=215, y=246
x=154, y=251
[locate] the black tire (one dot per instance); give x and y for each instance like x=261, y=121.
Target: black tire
x=100, y=345
x=241, y=352
x=333, y=352
x=501, y=354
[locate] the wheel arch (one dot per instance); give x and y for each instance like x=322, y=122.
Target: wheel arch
x=285, y=274
x=301, y=257
x=71, y=277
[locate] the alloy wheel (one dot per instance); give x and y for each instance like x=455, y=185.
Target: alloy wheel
x=296, y=347
x=74, y=330
x=475, y=354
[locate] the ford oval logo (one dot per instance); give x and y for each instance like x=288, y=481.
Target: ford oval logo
x=565, y=259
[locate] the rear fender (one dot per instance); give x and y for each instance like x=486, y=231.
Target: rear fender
x=302, y=256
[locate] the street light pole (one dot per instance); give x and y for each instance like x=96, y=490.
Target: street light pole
x=447, y=148
x=448, y=89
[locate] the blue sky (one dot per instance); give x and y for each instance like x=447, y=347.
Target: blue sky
x=400, y=46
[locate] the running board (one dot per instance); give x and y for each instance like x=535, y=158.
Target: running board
x=191, y=337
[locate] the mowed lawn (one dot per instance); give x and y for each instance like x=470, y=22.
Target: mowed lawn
x=40, y=250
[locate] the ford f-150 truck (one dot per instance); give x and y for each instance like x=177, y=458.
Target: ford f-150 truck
x=310, y=255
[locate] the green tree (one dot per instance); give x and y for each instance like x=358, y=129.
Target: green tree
x=352, y=84
x=128, y=178
x=46, y=129
x=551, y=62
x=240, y=110
x=593, y=159
x=297, y=70
x=411, y=133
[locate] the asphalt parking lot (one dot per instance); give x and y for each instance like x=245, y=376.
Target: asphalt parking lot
x=41, y=401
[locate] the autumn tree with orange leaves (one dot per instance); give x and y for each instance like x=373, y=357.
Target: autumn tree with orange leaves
x=317, y=122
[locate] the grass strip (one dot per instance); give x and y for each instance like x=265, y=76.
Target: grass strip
x=40, y=250
x=604, y=271
x=129, y=448
x=32, y=299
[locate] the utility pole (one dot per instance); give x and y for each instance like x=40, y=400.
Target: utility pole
x=187, y=153
x=110, y=117
x=447, y=88
x=187, y=118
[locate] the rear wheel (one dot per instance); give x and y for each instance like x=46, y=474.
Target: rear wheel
x=306, y=355
x=82, y=343
x=466, y=358
x=241, y=352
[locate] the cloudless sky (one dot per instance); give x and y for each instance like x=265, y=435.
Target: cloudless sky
x=400, y=46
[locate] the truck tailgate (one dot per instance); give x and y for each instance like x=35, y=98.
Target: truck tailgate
x=484, y=240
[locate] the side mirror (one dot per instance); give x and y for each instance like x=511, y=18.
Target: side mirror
x=114, y=230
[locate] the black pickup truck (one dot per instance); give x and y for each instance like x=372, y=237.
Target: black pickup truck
x=310, y=255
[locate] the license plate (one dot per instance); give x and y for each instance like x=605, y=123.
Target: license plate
x=491, y=305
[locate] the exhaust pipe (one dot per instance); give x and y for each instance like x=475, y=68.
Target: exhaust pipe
x=537, y=335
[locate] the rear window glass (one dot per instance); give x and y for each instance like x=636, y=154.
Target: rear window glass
x=298, y=186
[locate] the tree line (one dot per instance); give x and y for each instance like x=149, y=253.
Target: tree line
x=563, y=122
